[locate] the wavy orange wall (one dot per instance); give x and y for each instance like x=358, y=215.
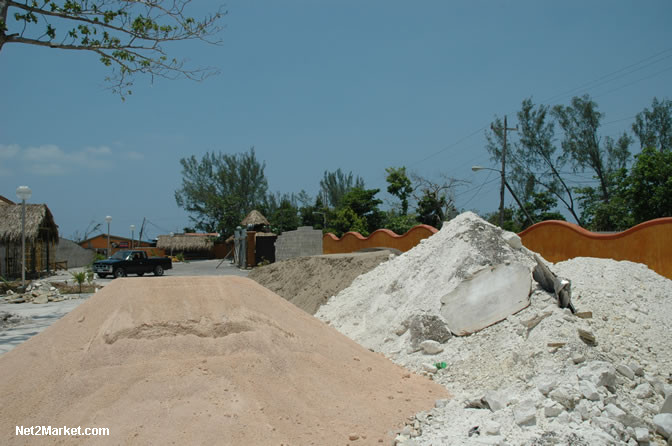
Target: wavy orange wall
x=649, y=243
x=382, y=238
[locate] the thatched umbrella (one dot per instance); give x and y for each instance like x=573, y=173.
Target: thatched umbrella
x=39, y=224
x=255, y=218
x=185, y=242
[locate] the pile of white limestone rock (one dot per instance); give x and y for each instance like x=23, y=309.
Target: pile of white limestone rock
x=543, y=376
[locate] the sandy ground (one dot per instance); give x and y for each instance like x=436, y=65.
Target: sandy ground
x=308, y=282
x=203, y=360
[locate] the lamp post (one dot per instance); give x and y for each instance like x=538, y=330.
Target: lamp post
x=501, y=216
x=172, y=234
x=108, y=219
x=132, y=235
x=24, y=193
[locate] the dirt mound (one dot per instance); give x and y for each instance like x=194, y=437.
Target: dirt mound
x=308, y=282
x=204, y=360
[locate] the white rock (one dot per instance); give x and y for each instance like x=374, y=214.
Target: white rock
x=667, y=405
x=552, y=409
x=491, y=427
x=663, y=423
x=525, y=413
x=430, y=347
x=589, y=391
x=496, y=400
x=565, y=395
x=642, y=435
x=440, y=403
x=599, y=373
x=643, y=391
x=625, y=371
x=578, y=358
x=512, y=239
x=547, y=384
x=429, y=368
x=639, y=371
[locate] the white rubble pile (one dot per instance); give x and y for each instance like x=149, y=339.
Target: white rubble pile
x=543, y=376
x=37, y=293
x=398, y=305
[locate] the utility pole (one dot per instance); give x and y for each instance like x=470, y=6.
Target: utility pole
x=503, y=172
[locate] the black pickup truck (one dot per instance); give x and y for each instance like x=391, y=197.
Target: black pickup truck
x=131, y=262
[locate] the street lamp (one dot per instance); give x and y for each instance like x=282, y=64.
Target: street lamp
x=132, y=235
x=501, y=204
x=24, y=193
x=108, y=219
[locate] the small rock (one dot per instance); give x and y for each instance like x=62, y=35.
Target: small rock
x=643, y=391
x=512, y=239
x=440, y=403
x=587, y=336
x=625, y=371
x=588, y=390
x=401, y=330
x=578, y=358
x=491, y=428
x=545, y=386
x=565, y=396
x=496, y=400
x=41, y=299
x=631, y=316
x=639, y=371
x=584, y=314
x=430, y=347
x=663, y=423
x=599, y=373
x=552, y=409
x=642, y=435
x=667, y=405
x=525, y=414
x=353, y=437
x=429, y=368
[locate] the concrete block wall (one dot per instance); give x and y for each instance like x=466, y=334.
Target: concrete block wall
x=305, y=241
x=73, y=253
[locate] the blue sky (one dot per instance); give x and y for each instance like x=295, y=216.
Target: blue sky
x=320, y=85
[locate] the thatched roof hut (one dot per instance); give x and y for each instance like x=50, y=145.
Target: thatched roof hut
x=186, y=242
x=255, y=218
x=39, y=224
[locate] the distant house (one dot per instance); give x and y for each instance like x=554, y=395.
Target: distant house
x=191, y=245
x=117, y=243
x=41, y=239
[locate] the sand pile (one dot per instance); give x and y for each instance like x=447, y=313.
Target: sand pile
x=204, y=360
x=308, y=282
x=399, y=304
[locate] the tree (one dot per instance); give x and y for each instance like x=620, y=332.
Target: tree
x=334, y=185
x=654, y=127
x=580, y=122
x=536, y=161
x=364, y=204
x=220, y=189
x=282, y=212
x=649, y=188
x=436, y=199
x=399, y=185
x=344, y=220
x=127, y=35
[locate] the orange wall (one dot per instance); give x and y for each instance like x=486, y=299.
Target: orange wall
x=382, y=238
x=100, y=242
x=649, y=243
